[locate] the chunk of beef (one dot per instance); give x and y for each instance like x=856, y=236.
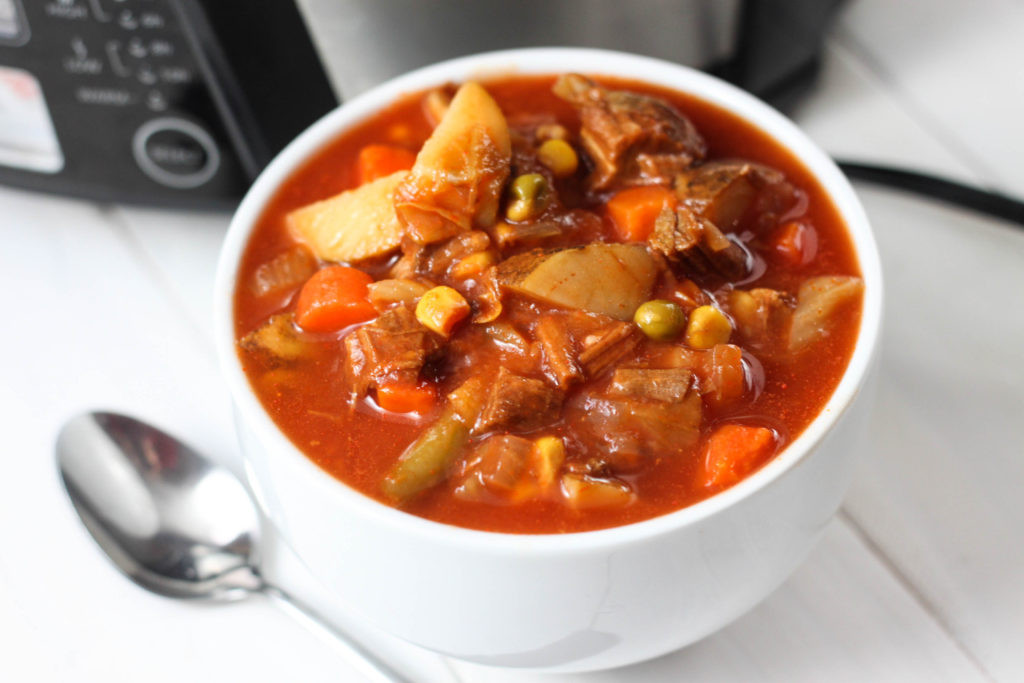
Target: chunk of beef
x=600, y=341
x=655, y=384
x=559, y=354
x=278, y=338
x=720, y=372
x=411, y=264
x=393, y=347
x=723, y=191
x=632, y=139
x=513, y=234
x=644, y=413
x=760, y=314
x=605, y=347
x=518, y=403
x=635, y=429
x=697, y=246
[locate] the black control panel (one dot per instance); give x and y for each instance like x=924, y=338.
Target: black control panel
x=136, y=101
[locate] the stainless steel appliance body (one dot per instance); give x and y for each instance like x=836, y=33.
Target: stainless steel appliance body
x=182, y=102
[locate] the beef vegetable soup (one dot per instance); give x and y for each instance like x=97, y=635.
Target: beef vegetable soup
x=547, y=304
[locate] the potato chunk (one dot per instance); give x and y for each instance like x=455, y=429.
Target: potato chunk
x=611, y=279
x=817, y=302
x=459, y=174
x=354, y=225
x=588, y=493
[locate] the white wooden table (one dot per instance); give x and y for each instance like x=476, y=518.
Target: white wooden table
x=919, y=578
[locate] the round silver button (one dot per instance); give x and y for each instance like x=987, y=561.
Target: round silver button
x=175, y=152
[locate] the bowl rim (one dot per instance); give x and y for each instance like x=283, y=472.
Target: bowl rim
x=547, y=61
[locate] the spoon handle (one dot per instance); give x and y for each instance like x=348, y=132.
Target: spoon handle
x=365, y=661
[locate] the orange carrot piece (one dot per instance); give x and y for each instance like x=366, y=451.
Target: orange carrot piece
x=733, y=451
x=400, y=397
x=634, y=210
x=379, y=161
x=795, y=242
x=335, y=297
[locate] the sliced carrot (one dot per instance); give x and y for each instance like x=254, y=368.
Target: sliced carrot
x=733, y=451
x=633, y=211
x=379, y=161
x=335, y=297
x=401, y=397
x=795, y=242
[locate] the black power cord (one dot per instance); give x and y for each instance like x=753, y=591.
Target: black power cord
x=983, y=201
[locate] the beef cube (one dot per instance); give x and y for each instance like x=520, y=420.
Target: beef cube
x=278, y=339
x=633, y=429
x=760, y=314
x=605, y=347
x=393, y=347
x=697, y=246
x=518, y=403
x=723, y=191
x=669, y=385
x=560, y=362
x=632, y=139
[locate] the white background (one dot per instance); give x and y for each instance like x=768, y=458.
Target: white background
x=919, y=578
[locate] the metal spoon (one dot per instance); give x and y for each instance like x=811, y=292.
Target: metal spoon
x=173, y=521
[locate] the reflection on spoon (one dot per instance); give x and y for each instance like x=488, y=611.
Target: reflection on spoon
x=173, y=521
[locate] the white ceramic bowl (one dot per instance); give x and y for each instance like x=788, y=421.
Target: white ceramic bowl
x=569, y=602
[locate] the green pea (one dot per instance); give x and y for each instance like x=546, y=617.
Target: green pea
x=529, y=187
x=660, y=320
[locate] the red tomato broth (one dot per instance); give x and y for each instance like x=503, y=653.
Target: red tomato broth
x=359, y=448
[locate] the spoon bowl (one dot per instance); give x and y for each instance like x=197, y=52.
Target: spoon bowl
x=175, y=522
x=170, y=519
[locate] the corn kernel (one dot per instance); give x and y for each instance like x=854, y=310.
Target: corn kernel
x=552, y=131
x=744, y=309
x=440, y=309
x=548, y=455
x=707, y=326
x=504, y=234
x=519, y=210
x=559, y=156
x=473, y=265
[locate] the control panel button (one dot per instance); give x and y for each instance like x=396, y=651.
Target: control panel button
x=175, y=152
x=128, y=20
x=13, y=28
x=151, y=20
x=156, y=100
x=175, y=74
x=74, y=10
x=80, y=61
x=161, y=48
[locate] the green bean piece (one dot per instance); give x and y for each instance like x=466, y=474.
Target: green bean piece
x=660, y=320
x=426, y=460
